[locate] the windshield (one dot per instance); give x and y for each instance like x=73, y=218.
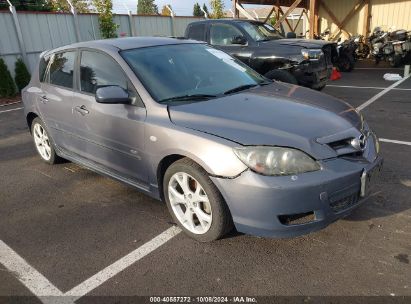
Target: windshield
x=189, y=70
x=261, y=31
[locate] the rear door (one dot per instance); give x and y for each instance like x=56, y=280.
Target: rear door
x=222, y=35
x=110, y=135
x=55, y=100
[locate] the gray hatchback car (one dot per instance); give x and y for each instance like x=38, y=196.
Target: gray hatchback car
x=188, y=124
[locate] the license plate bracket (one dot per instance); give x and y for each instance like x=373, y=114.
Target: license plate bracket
x=368, y=179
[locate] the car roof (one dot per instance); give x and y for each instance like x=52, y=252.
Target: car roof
x=126, y=43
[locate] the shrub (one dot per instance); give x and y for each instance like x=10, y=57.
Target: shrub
x=22, y=76
x=7, y=87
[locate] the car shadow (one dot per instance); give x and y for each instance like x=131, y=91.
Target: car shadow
x=392, y=195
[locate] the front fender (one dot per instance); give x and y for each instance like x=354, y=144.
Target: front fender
x=214, y=154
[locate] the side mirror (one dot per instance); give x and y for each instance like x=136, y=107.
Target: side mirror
x=112, y=95
x=291, y=35
x=239, y=40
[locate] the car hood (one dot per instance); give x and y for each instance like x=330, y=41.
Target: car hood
x=276, y=114
x=304, y=43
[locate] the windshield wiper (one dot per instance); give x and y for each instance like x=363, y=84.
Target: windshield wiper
x=240, y=88
x=265, y=82
x=188, y=97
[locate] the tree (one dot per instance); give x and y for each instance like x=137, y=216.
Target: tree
x=27, y=5
x=197, y=10
x=22, y=75
x=218, y=9
x=165, y=11
x=273, y=20
x=104, y=9
x=205, y=8
x=7, y=87
x=147, y=7
x=81, y=6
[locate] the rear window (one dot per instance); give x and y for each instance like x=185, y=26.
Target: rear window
x=197, y=32
x=44, y=61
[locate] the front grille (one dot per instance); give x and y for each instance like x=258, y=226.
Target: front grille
x=297, y=219
x=341, y=204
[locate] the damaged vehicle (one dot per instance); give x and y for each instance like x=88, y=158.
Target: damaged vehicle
x=186, y=123
x=264, y=49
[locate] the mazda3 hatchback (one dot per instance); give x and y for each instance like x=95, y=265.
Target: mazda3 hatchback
x=188, y=124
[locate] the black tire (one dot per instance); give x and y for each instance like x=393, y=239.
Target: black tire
x=54, y=158
x=321, y=87
x=282, y=75
x=395, y=61
x=345, y=64
x=221, y=222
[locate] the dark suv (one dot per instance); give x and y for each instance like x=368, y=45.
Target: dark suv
x=259, y=45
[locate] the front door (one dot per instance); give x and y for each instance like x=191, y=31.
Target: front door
x=110, y=135
x=223, y=36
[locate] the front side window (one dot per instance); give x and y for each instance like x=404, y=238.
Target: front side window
x=224, y=34
x=99, y=70
x=62, y=69
x=260, y=31
x=170, y=71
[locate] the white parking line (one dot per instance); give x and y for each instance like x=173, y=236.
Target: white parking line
x=27, y=275
x=357, y=87
x=399, y=142
x=118, y=266
x=10, y=103
x=378, y=68
x=383, y=92
x=15, y=109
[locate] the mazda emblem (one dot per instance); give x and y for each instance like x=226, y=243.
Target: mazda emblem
x=359, y=142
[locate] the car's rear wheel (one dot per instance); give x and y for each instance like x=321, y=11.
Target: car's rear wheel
x=43, y=142
x=194, y=201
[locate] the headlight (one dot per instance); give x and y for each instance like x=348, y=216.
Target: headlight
x=311, y=54
x=276, y=160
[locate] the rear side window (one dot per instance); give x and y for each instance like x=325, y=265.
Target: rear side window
x=197, y=32
x=62, y=69
x=99, y=70
x=44, y=61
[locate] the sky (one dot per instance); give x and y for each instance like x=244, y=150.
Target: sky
x=180, y=7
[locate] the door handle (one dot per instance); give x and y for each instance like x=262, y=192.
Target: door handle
x=44, y=99
x=82, y=110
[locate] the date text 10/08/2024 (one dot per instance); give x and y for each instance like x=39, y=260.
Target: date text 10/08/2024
x=206, y=299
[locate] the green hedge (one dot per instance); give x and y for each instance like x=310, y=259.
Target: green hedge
x=22, y=75
x=7, y=87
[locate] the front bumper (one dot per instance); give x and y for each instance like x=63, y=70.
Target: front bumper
x=313, y=74
x=287, y=206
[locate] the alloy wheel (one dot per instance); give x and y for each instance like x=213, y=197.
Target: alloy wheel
x=42, y=141
x=190, y=203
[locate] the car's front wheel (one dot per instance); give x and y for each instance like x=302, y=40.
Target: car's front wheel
x=282, y=75
x=194, y=201
x=43, y=142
